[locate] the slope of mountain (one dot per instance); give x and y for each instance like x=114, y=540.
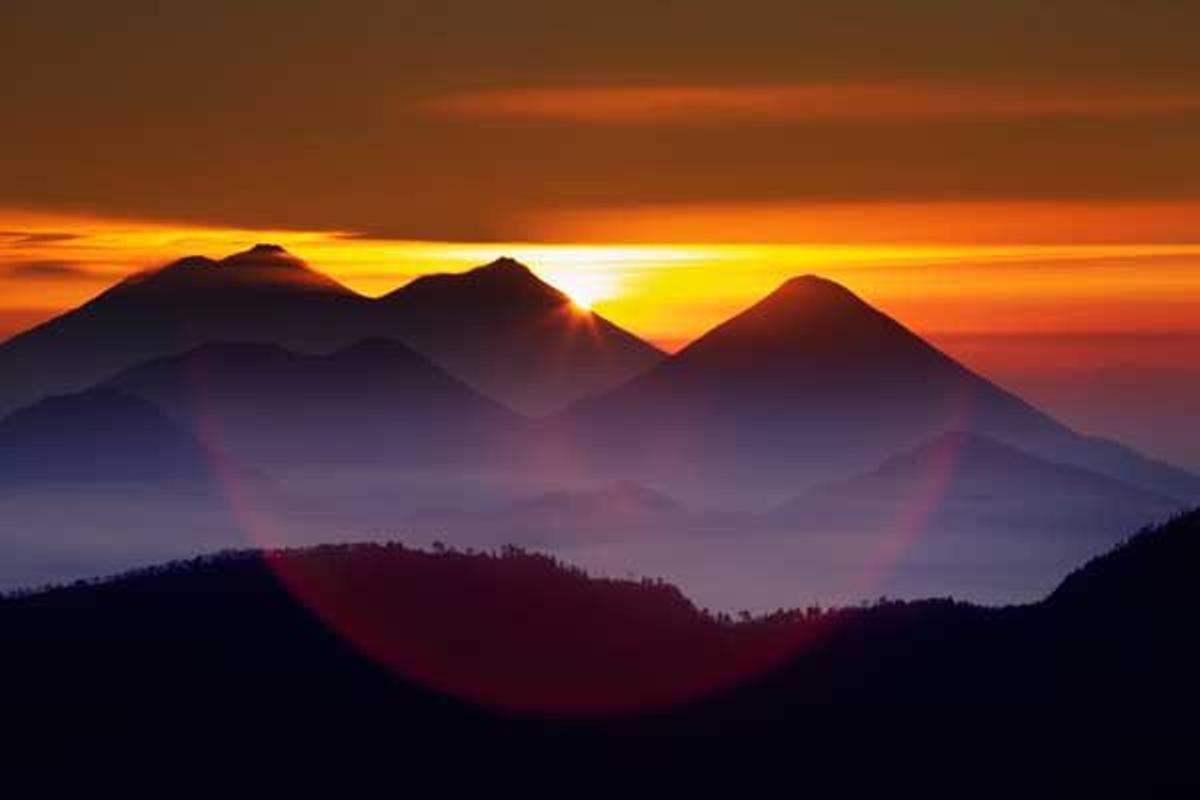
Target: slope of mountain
x=514, y=337
x=1144, y=406
x=808, y=385
x=376, y=402
x=263, y=294
x=965, y=483
x=511, y=631
x=102, y=435
x=498, y=327
x=1094, y=687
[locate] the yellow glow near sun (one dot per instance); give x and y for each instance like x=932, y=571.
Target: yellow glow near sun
x=666, y=292
x=582, y=298
x=584, y=287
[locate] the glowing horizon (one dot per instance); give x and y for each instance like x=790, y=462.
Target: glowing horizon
x=666, y=292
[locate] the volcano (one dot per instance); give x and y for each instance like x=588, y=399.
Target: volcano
x=514, y=337
x=808, y=385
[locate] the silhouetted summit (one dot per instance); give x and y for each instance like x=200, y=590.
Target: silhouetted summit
x=260, y=295
x=810, y=329
x=513, y=336
x=505, y=287
x=813, y=291
x=262, y=268
x=812, y=383
x=499, y=327
x=264, y=247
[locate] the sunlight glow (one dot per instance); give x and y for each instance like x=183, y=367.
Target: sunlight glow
x=666, y=292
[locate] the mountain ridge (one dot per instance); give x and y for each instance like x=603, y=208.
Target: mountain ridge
x=961, y=481
x=536, y=350
x=266, y=294
x=377, y=400
x=105, y=435
x=812, y=373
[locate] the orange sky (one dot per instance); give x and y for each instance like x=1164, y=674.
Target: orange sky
x=669, y=293
x=992, y=168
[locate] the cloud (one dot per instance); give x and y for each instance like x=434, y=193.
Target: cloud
x=802, y=102
x=951, y=222
x=52, y=270
x=36, y=237
x=446, y=120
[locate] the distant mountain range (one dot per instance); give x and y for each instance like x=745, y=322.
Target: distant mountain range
x=963, y=482
x=104, y=435
x=262, y=295
x=273, y=365
x=377, y=402
x=498, y=328
x=959, y=485
x=808, y=385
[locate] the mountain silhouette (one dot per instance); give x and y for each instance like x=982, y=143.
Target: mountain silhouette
x=376, y=402
x=103, y=435
x=262, y=295
x=809, y=384
x=266, y=268
x=965, y=483
x=413, y=652
x=514, y=337
x=499, y=328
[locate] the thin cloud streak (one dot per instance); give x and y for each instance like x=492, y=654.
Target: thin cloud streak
x=901, y=223
x=632, y=105
x=52, y=270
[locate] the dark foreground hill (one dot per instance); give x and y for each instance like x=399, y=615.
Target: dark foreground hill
x=1090, y=691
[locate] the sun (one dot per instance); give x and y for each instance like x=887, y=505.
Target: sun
x=581, y=298
x=584, y=284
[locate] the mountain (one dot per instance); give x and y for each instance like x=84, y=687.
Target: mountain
x=512, y=630
x=498, y=327
x=351, y=654
x=263, y=294
x=514, y=337
x=376, y=402
x=102, y=481
x=966, y=483
x=1144, y=405
x=808, y=385
x=102, y=436
x=1153, y=571
x=619, y=511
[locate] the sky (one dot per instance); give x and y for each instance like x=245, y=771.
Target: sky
x=983, y=170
